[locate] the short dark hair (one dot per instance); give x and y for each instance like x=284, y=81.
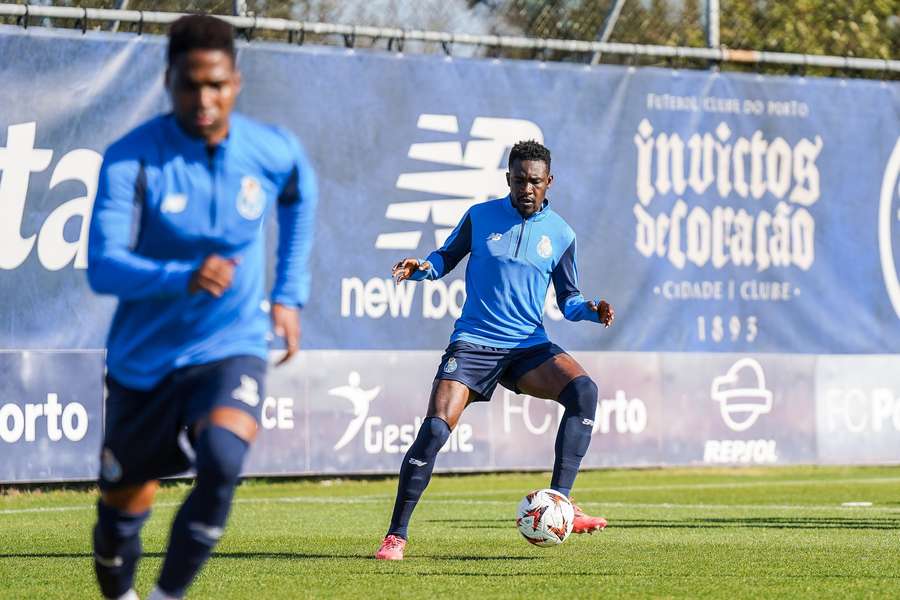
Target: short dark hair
x=200, y=32
x=529, y=150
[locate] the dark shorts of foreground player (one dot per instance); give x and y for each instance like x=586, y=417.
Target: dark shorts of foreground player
x=146, y=435
x=481, y=368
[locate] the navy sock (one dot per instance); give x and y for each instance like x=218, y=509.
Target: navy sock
x=415, y=472
x=579, y=398
x=200, y=521
x=117, y=548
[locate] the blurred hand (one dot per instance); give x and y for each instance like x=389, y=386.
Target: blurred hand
x=605, y=310
x=406, y=267
x=214, y=275
x=286, y=324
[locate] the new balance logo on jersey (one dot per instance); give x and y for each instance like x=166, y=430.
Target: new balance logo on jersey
x=417, y=463
x=248, y=392
x=174, y=203
x=478, y=177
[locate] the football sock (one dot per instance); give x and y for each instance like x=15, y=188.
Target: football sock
x=579, y=398
x=198, y=525
x=117, y=548
x=415, y=472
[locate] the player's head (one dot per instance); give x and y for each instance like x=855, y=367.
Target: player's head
x=529, y=176
x=201, y=76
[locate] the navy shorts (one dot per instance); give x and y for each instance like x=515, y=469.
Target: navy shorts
x=481, y=368
x=147, y=431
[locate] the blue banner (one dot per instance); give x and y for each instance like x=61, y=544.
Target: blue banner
x=733, y=220
x=717, y=212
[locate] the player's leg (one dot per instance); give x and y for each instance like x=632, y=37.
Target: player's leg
x=467, y=373
x=121, y=513
x=561, y=378
x=140, y=441
x=231, y=391
x=448, y=400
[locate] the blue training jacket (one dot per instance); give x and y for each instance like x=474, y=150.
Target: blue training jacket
x=512, y=262
x=164, y=203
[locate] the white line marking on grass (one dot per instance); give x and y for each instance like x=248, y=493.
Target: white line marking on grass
x=694, y=486
x=375, y=499
x=667, y=505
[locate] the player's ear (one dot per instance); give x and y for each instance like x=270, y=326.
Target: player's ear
x=237, y=81
x=549, y=179
x=507, y=179
x=168, y=78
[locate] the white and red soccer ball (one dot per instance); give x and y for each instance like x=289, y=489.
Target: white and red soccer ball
x=545, y=518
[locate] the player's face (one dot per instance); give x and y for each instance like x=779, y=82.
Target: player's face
x=528, y=182
x=203, y=85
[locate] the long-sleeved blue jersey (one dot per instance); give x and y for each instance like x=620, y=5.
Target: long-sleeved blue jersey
x=165, y=202
x=512, y=262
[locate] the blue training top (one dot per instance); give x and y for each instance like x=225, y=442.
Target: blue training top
x=512, y=263
x=165, y=202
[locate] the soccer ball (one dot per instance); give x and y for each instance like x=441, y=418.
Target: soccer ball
x=545, y=518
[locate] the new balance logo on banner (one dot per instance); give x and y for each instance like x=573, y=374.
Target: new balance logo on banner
x=479, y=177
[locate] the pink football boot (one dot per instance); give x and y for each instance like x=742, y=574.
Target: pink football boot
x=393, y=545
x=584, y=523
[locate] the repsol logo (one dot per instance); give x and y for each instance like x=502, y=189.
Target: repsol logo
x=30, y=422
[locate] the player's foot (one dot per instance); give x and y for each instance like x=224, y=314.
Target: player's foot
x=129, y=595
x=585, y=523
x=158, y=594
x=391, y=548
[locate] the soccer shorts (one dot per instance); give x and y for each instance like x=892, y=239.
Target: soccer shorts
x=147, y=432
x=481, y=368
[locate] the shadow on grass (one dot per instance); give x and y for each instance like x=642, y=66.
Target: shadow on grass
x=271, y=555
x=885, y=523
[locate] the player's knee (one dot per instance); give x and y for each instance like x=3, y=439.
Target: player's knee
x=434, y=432
x=220, y=455
x=580, y=396
x=132, y=498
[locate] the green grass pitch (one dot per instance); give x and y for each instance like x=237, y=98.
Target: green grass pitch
x=681, y=533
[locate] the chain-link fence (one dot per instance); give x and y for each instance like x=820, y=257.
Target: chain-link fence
x=846, y=28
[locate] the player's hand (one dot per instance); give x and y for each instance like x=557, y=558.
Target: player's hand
x=214, y=275
x=605, y=310
x=406, y=267
x=286, y=324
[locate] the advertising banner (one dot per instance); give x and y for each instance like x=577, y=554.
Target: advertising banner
x=51, y=415
x=744, y=227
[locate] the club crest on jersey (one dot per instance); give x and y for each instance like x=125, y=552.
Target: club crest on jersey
x=451, y=365
x=545, y=247
x=250, y=200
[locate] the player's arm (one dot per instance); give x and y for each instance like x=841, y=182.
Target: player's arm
x=441, y=261
x=570, y=300
x=113, y=266
x=296, y=224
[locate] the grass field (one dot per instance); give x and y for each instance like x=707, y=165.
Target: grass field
x=687, y=533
